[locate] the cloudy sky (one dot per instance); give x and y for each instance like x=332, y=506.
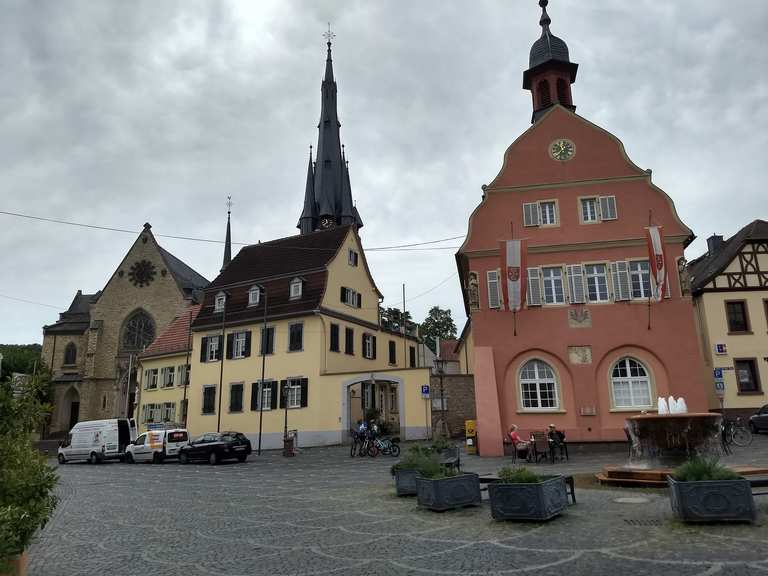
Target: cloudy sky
x=118, y=113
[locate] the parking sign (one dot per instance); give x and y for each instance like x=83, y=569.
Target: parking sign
x=718, y=373
x=425, y=390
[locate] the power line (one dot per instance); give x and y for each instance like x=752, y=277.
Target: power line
x=397, y=247
x=30, y=301
x=435, y=287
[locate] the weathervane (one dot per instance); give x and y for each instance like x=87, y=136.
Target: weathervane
x=229, y=204
x=329, y=35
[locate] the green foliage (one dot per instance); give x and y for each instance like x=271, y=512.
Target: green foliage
x=19, y=358
x=437, y=324
x=440, y=443
x=26, y=480
x=425, y=461
x=392, y=319
x=519, y=475
x=698, y=468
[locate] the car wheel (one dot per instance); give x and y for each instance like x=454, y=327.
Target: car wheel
x=183, y=458
x=61, y=459
x=213, y=459
x=129, y=458
x=753, y=428
x=242, y=458
x=93, y=458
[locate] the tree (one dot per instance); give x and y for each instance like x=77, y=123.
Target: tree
x=392, y=319
x=18, y=358
x=437, y=324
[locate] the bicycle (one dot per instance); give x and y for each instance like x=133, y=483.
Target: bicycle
x=736, y=432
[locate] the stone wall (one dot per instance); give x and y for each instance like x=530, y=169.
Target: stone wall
x=459, y=394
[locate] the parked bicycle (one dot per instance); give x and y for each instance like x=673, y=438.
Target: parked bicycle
x=387, y=446
x=736, y=432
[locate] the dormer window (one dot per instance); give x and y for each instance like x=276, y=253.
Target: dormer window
x=296, y=288
x=221, y=300
x=254, y=294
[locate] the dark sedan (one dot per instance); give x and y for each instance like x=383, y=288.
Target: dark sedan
x=759, y=420
x=214, y=447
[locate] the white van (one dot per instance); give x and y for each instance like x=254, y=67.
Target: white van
x=97, y=440
x=157, y=445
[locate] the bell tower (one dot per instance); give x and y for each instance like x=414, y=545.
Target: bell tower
x=550, y=72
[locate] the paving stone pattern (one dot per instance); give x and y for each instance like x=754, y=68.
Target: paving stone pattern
x=326, y=513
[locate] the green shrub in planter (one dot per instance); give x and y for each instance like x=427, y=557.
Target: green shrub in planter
x=417, y=460
x=26, y=480
x=703, y=490
x=523, y=495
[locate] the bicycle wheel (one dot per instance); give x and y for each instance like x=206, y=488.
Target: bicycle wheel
x=353, y=448
x=373, y=450
x=742, y=437
x=395, y=450
x=363, y=448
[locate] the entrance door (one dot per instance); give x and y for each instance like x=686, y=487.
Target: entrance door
x=74, y=414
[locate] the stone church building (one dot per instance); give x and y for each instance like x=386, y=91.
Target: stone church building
x=92, y=349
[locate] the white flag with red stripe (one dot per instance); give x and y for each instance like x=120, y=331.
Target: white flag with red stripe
x=513, y=273
x=658, y=261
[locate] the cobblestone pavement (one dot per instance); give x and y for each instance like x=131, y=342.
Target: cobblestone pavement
x=326, y=513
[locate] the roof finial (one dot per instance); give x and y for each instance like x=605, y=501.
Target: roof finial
x=329, y=35
x=228, y=239
x=545, y=20
x=229, y=205
x=310, y=152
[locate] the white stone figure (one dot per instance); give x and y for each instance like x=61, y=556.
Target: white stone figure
x=671, y=404
x=678, y=407
x=662, y=406
x=682, y=405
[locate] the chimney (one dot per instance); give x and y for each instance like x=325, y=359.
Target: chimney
x=714, y=243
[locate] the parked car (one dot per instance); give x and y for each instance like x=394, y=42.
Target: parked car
x=156, y=445
x=759, y=420
x=98, y=440
x=215, y=447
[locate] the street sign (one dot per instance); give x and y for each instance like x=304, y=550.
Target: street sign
x=721, y=349
x=425, y=391
x=718, y=373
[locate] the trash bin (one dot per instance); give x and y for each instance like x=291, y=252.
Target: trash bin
x=288, y=446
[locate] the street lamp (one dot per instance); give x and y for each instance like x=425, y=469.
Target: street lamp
x=440, y=369
x=263, y=344
x=222, y=349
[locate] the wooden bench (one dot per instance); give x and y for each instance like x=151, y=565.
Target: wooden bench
x=759, y=483
x=569, y=484
x=450, y=458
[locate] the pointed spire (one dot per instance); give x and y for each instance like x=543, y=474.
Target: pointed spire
x=328, y=59
x=308, y=219
x=228, y=240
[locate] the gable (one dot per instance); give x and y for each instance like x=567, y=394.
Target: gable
x=748, y=269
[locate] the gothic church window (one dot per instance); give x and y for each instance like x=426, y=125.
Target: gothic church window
x=70, y=354
x=139, y=331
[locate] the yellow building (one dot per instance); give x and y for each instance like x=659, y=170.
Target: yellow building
x=730, y=289
x=326, y=358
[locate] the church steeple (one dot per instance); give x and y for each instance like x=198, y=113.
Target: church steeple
x=228, y=239
x=330, y=203
x=550, y=72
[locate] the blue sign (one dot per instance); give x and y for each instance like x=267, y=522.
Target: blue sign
x=425, y=390
x=718, y=373
x=719, y=385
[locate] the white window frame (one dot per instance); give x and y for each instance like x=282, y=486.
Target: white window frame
x=151, y=375
x=549, y=281
x=169, y=412
x=630, y=381
x=296, y=288
x=534, y=281
x=636, y=274
x=220, y=302
x=589, y=276
x=181, y=373
x=266, y=400
x=168, y=374
x=238, y=345
x=353, y=258
x=538, y=381
x=254, y=296
x=494, y=289
x=367, y=345
x=542, y=212
x=350, y=297
x=622, y=285
x=576, y=291
x=608, y=203
x=531, y=214
x=595, y=202
x=293, y=394
x=393, y=400
x=213, y=349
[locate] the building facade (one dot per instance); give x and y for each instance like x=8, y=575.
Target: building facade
x=590, y=344
x=93, y=348
x=730, y=293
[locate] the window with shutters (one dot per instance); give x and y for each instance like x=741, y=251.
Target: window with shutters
x=369, y=346
x=70, y=354
x=351, y=297
x=494, y=297
x=169, y=412
x=167, y=378
x=631, y=386
x=392, y=353
x=534, y=287
x=576, y=283
x=213, y=349
x=150, y=379
x=548, y=213
x=295, y=337
x=737, y=316
x=334, y=346
x=293, y=393
x=267, y=341
x=349, y=341
x=608, y=208
x=239, y=340
x=538, y=386
x=621, y=284
x=640, y=279
x=552, y=279
x=589, y=210
x=209, y=399
x=531, y=214
x=236, y=397
x=265, y=392
x=182, y=378
x=296, y=288
x=597, y=282
x=254, y=295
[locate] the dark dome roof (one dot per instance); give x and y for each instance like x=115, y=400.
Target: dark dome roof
x=548, y=47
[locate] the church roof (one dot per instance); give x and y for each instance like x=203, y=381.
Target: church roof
x=175, y=338
x=77, y=318
x=187, y=279
x=707, y=266
x=548, y=47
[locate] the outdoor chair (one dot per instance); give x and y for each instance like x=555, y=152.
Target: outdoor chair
x=559, y=449
x=450, y=458
x=540, y=446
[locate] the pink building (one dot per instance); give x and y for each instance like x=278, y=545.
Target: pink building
x=588, y=347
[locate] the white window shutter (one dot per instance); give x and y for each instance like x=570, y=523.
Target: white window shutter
x=494, y=298
x=576, y=283
x=531, y=214
x=620, y=278
x=608, y=208
x=534, y=287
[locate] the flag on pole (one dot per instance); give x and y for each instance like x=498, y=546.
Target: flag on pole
x=658, y=261
x=513, y=273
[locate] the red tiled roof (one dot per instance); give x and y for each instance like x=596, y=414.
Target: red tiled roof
x=175, y=338
x=448, y=350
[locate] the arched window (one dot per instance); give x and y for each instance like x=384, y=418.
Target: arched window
x=139, y=331
x=631, y=384
x=545, y=98
x=562, y=92
x=70, y=354
x=538, y=386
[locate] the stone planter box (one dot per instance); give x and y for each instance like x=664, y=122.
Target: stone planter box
x=405, y=482
x=712, y=500
x=540, y=501
x=18, y=565
x=448, y=493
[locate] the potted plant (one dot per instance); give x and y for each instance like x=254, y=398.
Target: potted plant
x=406, y=470
x=26, y=480
x=520, y=494
x=703, y=490
x=440, y=488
